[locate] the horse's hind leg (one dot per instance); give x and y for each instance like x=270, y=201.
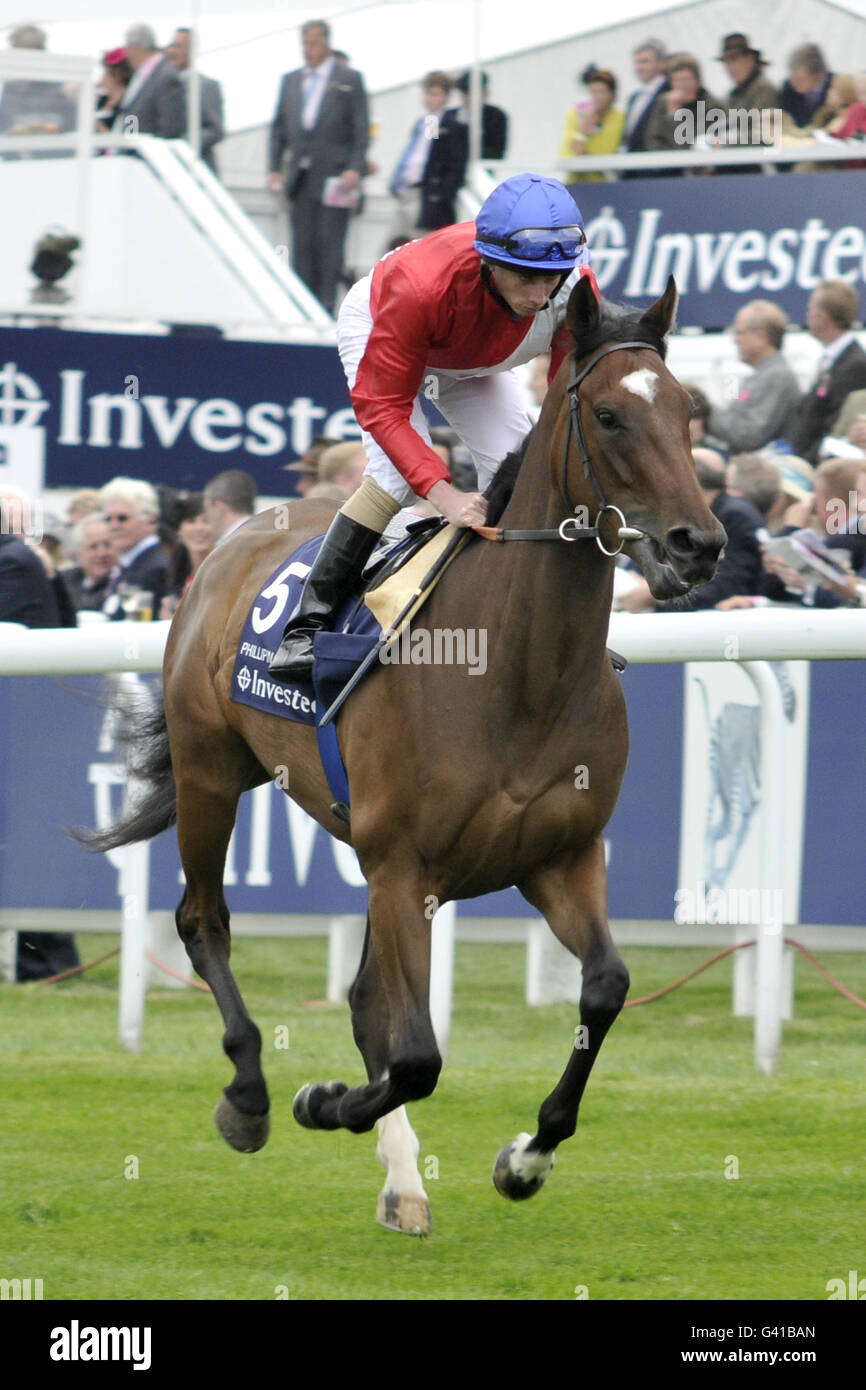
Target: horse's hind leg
x=572, y=895
x=205, y=818
x=403, y=1204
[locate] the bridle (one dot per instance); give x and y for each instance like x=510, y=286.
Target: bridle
x=569, y=529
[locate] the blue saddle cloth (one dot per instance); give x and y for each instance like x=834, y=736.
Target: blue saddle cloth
x=336, y=657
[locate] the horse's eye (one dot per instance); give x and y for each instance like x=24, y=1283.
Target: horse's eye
x=606, y=419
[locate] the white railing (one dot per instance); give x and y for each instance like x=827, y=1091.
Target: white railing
x=748, y=637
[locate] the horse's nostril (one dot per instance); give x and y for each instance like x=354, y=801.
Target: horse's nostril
x=690, y=543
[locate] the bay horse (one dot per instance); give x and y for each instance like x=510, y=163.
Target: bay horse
x=459, y=786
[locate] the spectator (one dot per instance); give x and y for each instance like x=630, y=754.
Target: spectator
x=852, y=121
x=34, y=108
x=229, y=501
x=757, y=478
x=210, y=96
x=832, y=311
x=851, y=421
x=322, y=122
x=740, y=569
x=81, y=504
x=342, y=466
x=699, y=423
x=750, y=93
x=770, y=396
x=432, y=167
x=796, y=484
x=131, y=509
x=837, y=483
x=807, y=85
x=116, y=77
x=494, y=122
x=26, y=593
x=307, y=466
x=674, y=121
x=153, y=103
x=195, y=541
x=593, y=127
x=88, y=579
x=650, y=69
x=27, y=597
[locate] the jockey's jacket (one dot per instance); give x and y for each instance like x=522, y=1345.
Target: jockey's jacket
x=432, y=313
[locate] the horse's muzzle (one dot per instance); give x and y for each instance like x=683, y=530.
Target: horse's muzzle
x=687, y=556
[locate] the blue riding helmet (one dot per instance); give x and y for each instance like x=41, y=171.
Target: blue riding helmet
x=531, y=222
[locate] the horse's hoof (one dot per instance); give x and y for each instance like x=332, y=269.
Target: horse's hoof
x=519, y=1174
x=310, y=1097
x=246, y=1133
x=409, y=1215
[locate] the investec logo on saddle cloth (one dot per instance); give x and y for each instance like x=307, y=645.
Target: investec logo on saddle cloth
x=263, y=629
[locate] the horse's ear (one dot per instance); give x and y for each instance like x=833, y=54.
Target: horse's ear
x=661, y=316
x=582, y=312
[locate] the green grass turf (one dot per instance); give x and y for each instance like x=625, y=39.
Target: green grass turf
x=638, y=1205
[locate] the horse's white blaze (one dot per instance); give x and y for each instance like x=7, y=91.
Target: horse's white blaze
x=528, y=1166
x=642, y=383
x=397, y=1150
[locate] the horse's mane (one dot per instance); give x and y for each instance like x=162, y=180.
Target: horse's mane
x=499, y=490
x=617, y=323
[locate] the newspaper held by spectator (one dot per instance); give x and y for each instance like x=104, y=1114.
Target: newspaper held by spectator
x=813, y=561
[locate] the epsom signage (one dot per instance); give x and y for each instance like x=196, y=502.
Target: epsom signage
x=77, y=409
x=726, y=239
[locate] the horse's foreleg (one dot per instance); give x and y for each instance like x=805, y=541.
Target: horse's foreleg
x=205, y=818
x=403, y=1204
x=572, y=895
x=391, y=1015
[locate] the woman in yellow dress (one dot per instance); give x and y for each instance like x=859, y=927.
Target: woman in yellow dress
x=595, y=126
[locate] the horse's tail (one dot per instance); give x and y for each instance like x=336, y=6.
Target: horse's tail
x=144, y=734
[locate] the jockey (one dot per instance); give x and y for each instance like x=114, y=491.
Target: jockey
x=447, y=317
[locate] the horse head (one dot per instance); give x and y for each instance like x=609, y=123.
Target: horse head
x=627, y=445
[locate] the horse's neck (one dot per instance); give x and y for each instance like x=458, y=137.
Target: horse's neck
x=546, y=604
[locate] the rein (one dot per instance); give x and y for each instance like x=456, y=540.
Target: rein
x=570, y=523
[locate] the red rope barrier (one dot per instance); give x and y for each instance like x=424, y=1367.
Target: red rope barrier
x=629, y=1004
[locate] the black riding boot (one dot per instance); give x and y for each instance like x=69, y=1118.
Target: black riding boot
x=336, y=570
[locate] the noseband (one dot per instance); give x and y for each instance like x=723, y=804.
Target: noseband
x=569, y=529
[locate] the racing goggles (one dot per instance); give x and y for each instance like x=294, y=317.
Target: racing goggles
x=540, y=243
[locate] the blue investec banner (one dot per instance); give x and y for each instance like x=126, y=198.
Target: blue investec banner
x=77, y=409
x=726, y=239
x=57, y=770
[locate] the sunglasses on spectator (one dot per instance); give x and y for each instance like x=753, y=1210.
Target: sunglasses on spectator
x=117, y=516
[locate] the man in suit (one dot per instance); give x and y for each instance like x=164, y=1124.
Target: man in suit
x=770, y=396
x=131, y=509
x=155, y=101
x=322, y=123
x=432, y=167
x=210, y=97
x=807, y=86
x=27, y=597
x=650, y=69
x=833, y=309
x=494, y=122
